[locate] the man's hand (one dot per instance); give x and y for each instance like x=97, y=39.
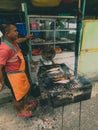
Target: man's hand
x=1, y=86
x=1, y=77
x=29, y=36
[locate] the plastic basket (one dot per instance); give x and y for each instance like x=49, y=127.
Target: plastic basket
x=21, y=27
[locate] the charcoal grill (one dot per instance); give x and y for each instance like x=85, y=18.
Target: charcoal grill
x=62, y=93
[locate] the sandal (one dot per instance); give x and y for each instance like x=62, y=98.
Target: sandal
x=26, y=115
x=33, y=104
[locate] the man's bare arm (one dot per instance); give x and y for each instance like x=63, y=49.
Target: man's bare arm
x=23, y=39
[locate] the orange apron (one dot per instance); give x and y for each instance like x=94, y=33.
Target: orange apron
x=18, y=79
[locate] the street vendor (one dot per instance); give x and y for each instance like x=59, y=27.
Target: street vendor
x=11, y=58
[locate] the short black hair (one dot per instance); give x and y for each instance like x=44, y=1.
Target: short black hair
x=5, y=27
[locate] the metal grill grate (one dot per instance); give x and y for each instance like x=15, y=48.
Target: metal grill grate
x=60, y=93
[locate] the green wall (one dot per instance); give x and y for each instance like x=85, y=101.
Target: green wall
x=88, y=60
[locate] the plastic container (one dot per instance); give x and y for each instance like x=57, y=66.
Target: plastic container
x=34, y=26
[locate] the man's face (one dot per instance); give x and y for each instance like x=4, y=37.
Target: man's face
x=12, y=33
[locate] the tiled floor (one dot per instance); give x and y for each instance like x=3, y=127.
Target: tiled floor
x=66, y=57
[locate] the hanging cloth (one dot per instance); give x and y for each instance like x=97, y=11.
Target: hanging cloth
x=46, y=3
x=68, y=1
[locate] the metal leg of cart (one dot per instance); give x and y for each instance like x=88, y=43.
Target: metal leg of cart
x=62, y=117
x=80, y=105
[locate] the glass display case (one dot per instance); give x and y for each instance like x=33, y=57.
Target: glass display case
x=57, y=31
